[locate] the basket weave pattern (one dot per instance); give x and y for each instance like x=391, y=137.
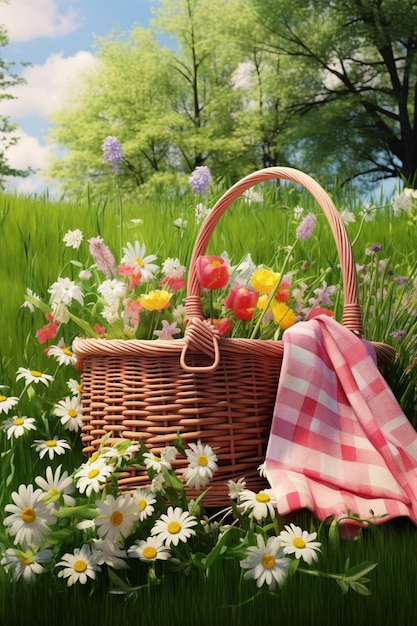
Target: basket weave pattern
x=219, y=391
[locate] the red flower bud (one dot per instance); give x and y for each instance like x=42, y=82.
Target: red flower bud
x=244, y=303
x=212, y=272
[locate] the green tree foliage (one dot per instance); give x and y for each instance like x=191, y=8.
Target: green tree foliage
x=8, y=137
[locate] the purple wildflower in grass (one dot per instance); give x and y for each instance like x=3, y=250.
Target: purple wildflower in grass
x=305, y=229
x=401, y=280
x=102, y=256
x=375, y=247
x=200, y=179
x=398, y=334
x=113, y=154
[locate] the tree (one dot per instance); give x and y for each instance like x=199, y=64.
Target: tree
x=8, y=137
x=354, y=82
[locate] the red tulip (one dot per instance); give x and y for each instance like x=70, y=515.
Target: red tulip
x=244, y=303
x=224, y=326
x=212, y=272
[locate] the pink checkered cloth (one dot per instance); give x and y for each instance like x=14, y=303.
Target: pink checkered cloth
x=339, y=440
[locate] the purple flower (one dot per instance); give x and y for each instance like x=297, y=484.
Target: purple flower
x=401, y=280
x=398, y=334
x=200, y=179
x=102, y=256
x=113, y=154
x=305, y=229
x=375, y=247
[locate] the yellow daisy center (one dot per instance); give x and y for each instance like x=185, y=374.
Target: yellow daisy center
x=157, y=459
x=72, y=412
x=28, y=515
x=298, y=542
x=174, y=528
x=93, y=473
x=50, y=443
x=139, y=261
x=94, y=457
x=149, y=552
x=262, y=497
x=25, y=560
x=52, y=491
x=66, y=352
x=80, y=566
x=3, y=398
x=116, y=518
x=35, y=373
x=18, y=421
x=268, y=561
x=202, y=460
x=142, y=504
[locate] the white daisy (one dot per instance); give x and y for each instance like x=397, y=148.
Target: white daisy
x=134, y=256
x=70, y=411
x=7, y=403
x=180, y=223
x=259, y=505
x=202, y=459
x=168, y=454
x=64, y=291
x=115, y=517
x=174, y=526
x=74, y=386
x=90, y=476
x=119, y=451
x=33, y=376
x=29, y=304
x=145, y=500
x=300, y=543
x=50, y=447
x=25, y=563
x=16, y=426
x=150, y=549
x=112, y=290
x=236, y=488
x=56, y=487
x=30, y=517
x=79, y=566
x=73, y=238
x=156, y=463
x=172, y=268
x=63, y=355
x=194, y=479
x=109, y=553
x=111, y=312
x=158, y=483
x=266, y=563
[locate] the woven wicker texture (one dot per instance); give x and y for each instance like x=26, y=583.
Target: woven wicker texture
x=219, y=391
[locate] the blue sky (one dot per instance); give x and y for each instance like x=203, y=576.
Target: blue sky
x=56, y=37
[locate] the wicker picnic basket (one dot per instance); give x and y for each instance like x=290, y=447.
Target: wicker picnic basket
x=219, y=391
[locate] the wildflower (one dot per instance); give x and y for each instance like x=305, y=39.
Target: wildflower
x=150, y=549
x=102, y=256
x=264, y=280
x=180, y=223
x=30, y=518
x=84, y=275
x=111, y=312
x=347, y=216
x=60, y=313
x=200, y=179
x=154, y=462
x=132, y=273
x=112, y=290
x=7, y=403
x=283, y=315
x=29, y=304
x=236, y=488
x=245, y=268
x=90, y=476
x=111, y=553
x=78, y=566
x=375, y=247
x=100, y=330
x=174, y=526
x=74, y=386
x=64, y=291
x=123, y=449
x=113, y=154
x=404, y=201
x=115, y=516
x=298, y=212
x=179, y=313
x=192, y=478
x=250, y=196
x=135, y=256
x=56, y=486
x=63, y=355
x=26, y=564
x=158, y=482
x=168, y=330
x=172, y=268
x=398, y=334
x=155, y=300
x=212, y=271
x=16, y=426
x=168, y=454
x=202, y=458
x=33, y=376
x=51, y=447
x=144, y=500
x=48, y=331
x=69, y=410
x=305, y=229
x=260, y=504
x=300, y=543
x=266, y=563
x=201, y=212
x=73, y=238
x=401, y=280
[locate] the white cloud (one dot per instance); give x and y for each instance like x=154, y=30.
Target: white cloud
x=26, y=20
x=46, y=85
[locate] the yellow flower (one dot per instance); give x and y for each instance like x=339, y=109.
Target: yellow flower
x=155, y=300
x=263, y=280
x=283, y=315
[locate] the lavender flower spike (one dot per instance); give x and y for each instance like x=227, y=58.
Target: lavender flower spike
x=200, y=179
x=113, y=154
x=305, y=229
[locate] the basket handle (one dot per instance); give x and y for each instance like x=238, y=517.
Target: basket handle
x=352, y=316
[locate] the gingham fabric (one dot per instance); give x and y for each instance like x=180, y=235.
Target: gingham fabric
x=339, y=440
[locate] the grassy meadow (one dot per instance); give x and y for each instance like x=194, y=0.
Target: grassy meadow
x=33, y=255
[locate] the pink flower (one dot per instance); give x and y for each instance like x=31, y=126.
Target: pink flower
x=100, y=330
x=305, y=229
x=131, y=313
x=48, y=331
x=168, y=330
x=134, y=275
x=102, y=256
x=173, y=283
